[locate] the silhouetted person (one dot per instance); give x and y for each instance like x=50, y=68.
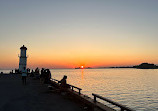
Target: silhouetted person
x=42, y=76
x=47, y=76
x=32, y=73
x=1, y=74
x=17, y=71
x=63, y=83
x=24, y=75
x=28, y=70
x=37, y=70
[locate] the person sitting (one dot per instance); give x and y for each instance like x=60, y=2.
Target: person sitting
x=63, y=83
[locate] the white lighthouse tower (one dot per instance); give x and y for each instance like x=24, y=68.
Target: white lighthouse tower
x=22, y=58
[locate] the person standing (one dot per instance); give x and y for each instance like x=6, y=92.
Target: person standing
x=42, y=79
x=48, y=75
x=24, y=75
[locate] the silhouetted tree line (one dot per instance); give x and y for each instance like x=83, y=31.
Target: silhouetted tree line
x=146, y=66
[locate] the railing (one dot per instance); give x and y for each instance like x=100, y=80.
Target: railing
x=55, y=80
x=122, y=107
x=71, y=86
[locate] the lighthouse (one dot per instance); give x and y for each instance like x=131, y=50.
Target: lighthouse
x=22, y=58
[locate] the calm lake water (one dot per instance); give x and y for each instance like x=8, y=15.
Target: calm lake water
x=136, y=88
x=5, y=71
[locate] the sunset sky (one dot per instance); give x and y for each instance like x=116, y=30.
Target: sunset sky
x=71, y=33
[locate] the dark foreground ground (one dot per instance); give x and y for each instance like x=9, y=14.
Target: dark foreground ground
x=33, y=97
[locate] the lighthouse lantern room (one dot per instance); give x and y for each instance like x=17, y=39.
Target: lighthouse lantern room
x=22, y=58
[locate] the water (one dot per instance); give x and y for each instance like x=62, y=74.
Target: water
x=5, y=71
x=136, y=88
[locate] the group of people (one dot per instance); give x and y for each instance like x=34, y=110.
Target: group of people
x=45, y=77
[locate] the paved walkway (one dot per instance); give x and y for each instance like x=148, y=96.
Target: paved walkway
x=33, y=97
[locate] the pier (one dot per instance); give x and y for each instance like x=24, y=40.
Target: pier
x=31, y=97
x=35, y=96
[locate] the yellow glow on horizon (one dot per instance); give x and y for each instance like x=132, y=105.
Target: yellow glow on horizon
x=71, y=59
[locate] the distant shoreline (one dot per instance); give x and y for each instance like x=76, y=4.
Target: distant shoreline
x=141, y=66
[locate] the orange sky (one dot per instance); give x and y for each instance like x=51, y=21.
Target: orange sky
x=71, y=60
x=69, y=34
